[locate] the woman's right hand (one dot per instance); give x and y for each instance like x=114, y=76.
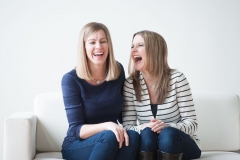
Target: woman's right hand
x=120, y=133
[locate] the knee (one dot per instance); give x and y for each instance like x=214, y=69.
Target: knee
x=148, y=140
x=169, y=134
x=147, y=132
x=109, y=137
x=134, y=138
x=169, y=138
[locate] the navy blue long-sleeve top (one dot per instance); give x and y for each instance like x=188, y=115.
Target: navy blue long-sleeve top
x=90, y=104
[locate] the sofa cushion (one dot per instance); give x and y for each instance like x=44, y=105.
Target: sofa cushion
x=204, y=156
x=218, y=120
x=217, y=113
x=49, y=156
x=52, y=122
x=220, y=156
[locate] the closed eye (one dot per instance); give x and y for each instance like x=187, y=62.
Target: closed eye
x=138, y=45
x=91, y=42
x=103, y=42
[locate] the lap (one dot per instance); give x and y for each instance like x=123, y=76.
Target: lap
x=84, y=148
x=170, y=140
x=100, y=144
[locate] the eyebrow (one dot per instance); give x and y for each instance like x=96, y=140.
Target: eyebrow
x=100, y=39
x=138, y=43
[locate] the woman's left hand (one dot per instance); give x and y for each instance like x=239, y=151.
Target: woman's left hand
x=157, y=125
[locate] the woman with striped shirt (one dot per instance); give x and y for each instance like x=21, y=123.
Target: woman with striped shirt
x=158, y=103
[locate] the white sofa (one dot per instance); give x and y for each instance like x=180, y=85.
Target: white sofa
x=39, y=135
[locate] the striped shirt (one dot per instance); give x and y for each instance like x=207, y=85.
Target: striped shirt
x=177, y=110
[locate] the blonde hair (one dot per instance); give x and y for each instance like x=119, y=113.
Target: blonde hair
x=157, y=65
x=82, y=68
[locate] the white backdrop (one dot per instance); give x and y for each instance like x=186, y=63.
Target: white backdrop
x=38, y=42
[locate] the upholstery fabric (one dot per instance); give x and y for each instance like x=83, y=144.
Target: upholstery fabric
x=217, y=113
x=20, y=136
x=218, y=119
x=52, y=122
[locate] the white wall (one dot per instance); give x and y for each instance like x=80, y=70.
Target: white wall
x=38, y=42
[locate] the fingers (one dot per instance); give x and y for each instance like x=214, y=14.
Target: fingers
x=154, y=120
x=120, y=133
x=157, y=126
x=155, y=123
x=126, y=138
x=117, y=135
x=157, y=129
x=121, y=136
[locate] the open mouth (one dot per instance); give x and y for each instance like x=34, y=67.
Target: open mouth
x=98, y=54
x=137, y=59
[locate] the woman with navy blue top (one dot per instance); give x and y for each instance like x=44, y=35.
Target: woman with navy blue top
x=92, y=94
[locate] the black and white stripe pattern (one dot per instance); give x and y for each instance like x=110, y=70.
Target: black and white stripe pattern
x=177, y=110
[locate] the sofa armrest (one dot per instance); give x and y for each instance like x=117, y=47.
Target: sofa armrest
x=20, y=136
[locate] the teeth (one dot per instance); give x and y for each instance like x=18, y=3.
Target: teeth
x=98, y=54
x=136, y=57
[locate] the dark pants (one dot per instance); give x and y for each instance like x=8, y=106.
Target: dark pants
x=102, y=146
x=170, y=140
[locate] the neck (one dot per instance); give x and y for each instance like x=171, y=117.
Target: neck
x=149, y=79
x=98, y=72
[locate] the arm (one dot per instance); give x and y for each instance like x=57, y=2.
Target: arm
x=129, y=111
x=75, y=111
x=188, y=122
x=122, y=76
x=73, y=105
x=20, y=136
x=120, y=133
x=88, y=130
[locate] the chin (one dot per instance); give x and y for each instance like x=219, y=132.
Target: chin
x=137, y=68
x=100, y=62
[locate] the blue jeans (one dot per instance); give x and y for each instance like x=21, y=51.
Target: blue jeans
x=102, y=146
x=170, y=140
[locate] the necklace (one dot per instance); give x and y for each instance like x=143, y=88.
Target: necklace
x=101, y=80
x=98, y=81
x=153, y=86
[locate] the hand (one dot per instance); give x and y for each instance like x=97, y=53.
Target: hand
x=157, y=125
x=120, y=133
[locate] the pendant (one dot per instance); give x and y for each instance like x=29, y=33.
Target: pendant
x=153, y=86
x=98, y=82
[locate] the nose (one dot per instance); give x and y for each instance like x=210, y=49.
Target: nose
x=98, y=45
x=134, y=49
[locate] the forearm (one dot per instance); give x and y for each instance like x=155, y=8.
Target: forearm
x=188, y=126
x=88, y=130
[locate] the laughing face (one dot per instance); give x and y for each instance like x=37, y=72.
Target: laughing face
x=97, y=48
x=139, y=54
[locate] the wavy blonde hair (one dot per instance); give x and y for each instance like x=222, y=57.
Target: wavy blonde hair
x=157, y=65
x=82, y=68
